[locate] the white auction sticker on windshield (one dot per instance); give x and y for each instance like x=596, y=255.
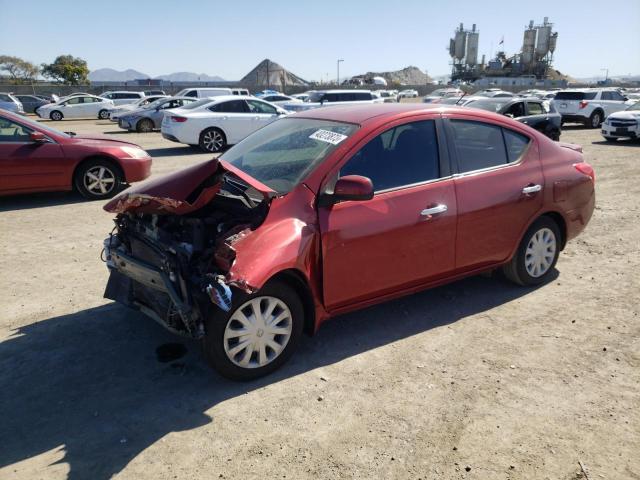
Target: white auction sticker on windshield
x=327, y=136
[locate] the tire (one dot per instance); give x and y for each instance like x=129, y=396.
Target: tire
x=552, y=133
x=56, y=115
x=220, y=327
x=535, y=245
x=103, y=114
x=91, y=171
x=144, y=126
x=595, y=120
x=611, y=139
x=212, y=140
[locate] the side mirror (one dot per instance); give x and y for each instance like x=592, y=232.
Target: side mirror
x=37, y=137
x=351, y=187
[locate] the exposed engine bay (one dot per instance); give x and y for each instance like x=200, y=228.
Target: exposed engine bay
x=173, y=267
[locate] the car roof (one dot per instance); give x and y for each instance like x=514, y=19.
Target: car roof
x=359, y=114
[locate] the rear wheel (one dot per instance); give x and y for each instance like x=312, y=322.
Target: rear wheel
x=537, y=254
x=98, y=179
x=55, y=115
x=595, y=120
x=144, y=126
x=258, y=334
x=103, y=114
x=212, y=140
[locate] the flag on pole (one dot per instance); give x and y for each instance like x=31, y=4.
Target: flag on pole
x=501, y=41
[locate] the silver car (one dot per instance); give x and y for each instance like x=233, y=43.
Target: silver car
x=150, y=116
x=10, y=103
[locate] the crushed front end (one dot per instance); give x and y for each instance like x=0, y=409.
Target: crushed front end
x=169, y=256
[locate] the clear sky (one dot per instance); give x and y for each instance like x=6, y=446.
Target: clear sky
x=229, y=38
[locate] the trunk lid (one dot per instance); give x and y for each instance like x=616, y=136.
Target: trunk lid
x=182, y=192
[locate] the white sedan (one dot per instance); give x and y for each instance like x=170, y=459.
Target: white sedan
x=81, y=106
x=280, y=99
x=118, y=110
x=215, y=123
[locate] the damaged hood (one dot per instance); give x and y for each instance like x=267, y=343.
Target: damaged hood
x=182, y=192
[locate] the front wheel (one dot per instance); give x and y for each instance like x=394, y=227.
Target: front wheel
x=103, y=114
x=212, y=140
x=145, y=126
x=258, y=334
x=537, y=254
x=55, y=115
x=98, y=179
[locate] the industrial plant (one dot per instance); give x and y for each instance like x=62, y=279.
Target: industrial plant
x=532, y=66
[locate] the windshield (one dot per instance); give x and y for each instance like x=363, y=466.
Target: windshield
x=197, y=104
x=314, y=97
x=43, y=127
x=635, y=106
x=154, y=104
x=281, y=154
x=489, y=105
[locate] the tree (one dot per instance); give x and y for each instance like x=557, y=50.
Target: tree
x=67, y=69
x=18, y=69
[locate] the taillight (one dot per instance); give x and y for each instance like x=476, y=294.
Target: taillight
x=178, y=119
x=586, y=169
x=583, y=104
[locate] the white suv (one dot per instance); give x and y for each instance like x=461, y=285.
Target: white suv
x=588, y=106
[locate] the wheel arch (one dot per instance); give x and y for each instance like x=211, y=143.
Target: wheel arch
x=214, y=127
x=562, y=225
x=296, y=280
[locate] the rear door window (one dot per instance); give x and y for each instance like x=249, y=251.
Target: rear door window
x=233, y=106
x=478, y=145
x=535, y=108
x=516, y=144
x=516, y=110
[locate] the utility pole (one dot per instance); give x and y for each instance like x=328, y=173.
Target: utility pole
x=606, y=77
x=338, y=75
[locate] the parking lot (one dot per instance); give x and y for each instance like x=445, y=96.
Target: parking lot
x=478, y=379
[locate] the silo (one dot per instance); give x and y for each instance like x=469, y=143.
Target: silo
x=544, y=36
x=452, y=47
x=552, y=42
x=460, y=43
x=472, y=46
x=529, y=44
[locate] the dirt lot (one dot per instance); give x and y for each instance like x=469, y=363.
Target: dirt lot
x=476, y=380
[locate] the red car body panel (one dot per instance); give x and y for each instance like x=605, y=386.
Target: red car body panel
x=38, y=167
x=355, y=254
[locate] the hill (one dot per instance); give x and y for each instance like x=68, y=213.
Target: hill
x=270, y=73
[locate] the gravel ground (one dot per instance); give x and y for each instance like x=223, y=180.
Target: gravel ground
x=477, y=379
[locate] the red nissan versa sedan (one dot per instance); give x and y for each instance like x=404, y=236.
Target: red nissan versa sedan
x=334, y=209
x=36, y=158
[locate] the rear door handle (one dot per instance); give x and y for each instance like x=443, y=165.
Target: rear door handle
x=529, y=189
x=433, y=210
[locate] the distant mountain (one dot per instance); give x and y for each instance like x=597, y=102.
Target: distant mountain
x=270, y=73
x=111, y=75
x=190, y=77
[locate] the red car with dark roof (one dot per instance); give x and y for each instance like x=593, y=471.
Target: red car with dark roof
x=335, y=209
x=36, y=158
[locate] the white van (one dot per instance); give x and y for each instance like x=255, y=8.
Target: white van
x=203, y=92
x=240, y=91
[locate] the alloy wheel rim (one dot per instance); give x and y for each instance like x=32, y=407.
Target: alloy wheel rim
x=99, y=180
x=596, y=120
x=213, y=141
x=258, y=332
x=540, y=252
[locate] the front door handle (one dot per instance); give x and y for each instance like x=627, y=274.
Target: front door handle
x=529, y=189
x=427, y=212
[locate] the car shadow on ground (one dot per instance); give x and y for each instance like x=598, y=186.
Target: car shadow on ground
x=90, y=381
x=39, y=200
x=177, y=151
x=625, y=143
